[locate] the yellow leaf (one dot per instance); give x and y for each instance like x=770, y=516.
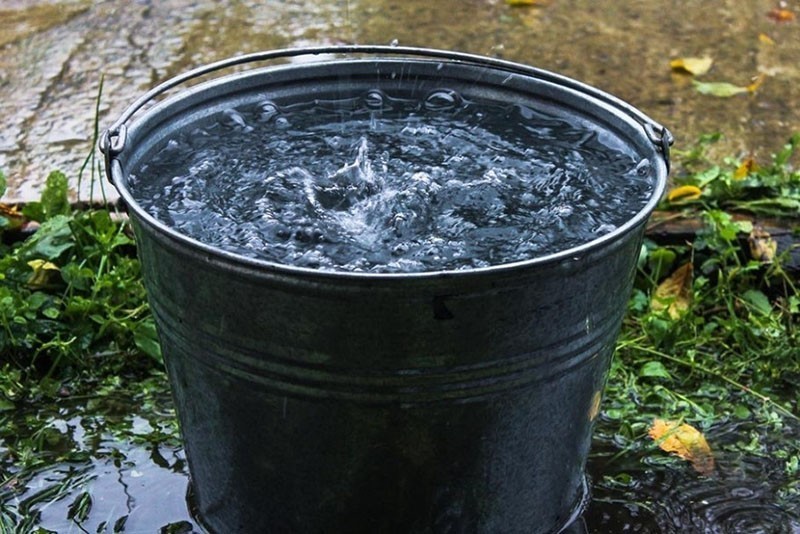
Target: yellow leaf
x=762, y=246
x=526, y=2
x=674, y=294
x=781, y=15
x=684, y=441
x=719, y=89
x=42, y=275
x=766, y=39
x=756, y=83
x=693, y=65
x=744, y=170
x=14, y=218
x=684, y=192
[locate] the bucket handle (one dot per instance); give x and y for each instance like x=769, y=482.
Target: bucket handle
x=112, y=142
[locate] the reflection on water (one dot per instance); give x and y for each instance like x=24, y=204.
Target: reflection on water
x=119, y=472
x=108, y=470
x=750, y=493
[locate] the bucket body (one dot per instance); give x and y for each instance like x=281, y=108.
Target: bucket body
x=314, y=401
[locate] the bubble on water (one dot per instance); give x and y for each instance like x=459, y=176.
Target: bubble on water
x=268, y=111
x=232, y=119
x=605, y=228
x=442, y=100
x=434, y=184
x=373, y=99
x=643, y=168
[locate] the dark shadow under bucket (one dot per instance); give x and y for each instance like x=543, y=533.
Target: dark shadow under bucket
x=314, y=401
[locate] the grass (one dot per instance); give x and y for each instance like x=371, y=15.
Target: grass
x=716, y=345
x=720, y=346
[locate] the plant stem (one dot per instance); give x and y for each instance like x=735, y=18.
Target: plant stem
x=694, y=365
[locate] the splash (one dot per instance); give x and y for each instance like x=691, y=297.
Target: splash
x=383, y=184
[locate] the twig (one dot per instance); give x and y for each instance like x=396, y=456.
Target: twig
x=694, y=365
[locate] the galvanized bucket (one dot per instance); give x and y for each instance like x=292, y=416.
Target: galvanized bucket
x=315, y=401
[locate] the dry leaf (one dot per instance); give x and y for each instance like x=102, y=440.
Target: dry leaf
x=693, y=65
x=675, y=293
x=15, y=218
x=756, y=83
x=523, y=2
x=766, y=39
x=684, y=441
x=720, y=89
x=684, y=192
x=744, y=170
x=762, y=246
x=43, y=273
x=781, y=15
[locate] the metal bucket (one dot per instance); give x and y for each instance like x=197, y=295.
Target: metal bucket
x=315, y=401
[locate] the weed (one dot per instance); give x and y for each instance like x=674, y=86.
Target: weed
x=743, y=185
x=71, y=298
x=731, y=356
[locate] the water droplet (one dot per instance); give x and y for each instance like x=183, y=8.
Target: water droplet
x=234, y=120
x=442, y=100
x=742, y=492
x=268, y=111
x=373, y=99
x=605, y=228
x=643, y=168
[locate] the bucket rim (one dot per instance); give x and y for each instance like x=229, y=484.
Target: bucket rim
x=113, y=139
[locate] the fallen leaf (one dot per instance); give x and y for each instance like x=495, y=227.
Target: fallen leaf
x=744, y=170
x=762, y=246
x=674, y=293
x=766, y=39
x=753, y=87
x=522, y=2
x=13, y=218
x=719, y=89
x=43, y=273
x=781, y=15
x=693, y=65
x=685, y=441
x=684, y=192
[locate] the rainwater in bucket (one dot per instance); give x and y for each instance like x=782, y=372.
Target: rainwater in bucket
x=387, y=283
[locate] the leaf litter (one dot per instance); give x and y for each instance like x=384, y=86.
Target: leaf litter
x=684, y=441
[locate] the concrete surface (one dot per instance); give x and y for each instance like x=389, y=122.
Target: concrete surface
x=54, y=53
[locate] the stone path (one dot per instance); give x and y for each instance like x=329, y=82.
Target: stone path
x=53, y=55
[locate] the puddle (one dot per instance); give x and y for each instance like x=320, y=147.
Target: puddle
x=746, y=493
x=53, y=54
x=119, y=472
x=109, y=470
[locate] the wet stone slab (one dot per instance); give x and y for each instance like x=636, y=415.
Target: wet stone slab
x=53, y=55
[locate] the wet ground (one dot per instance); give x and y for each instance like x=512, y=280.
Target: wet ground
x=122, y=472
x=53, y=54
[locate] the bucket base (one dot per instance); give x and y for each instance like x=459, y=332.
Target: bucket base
x=574, y=525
